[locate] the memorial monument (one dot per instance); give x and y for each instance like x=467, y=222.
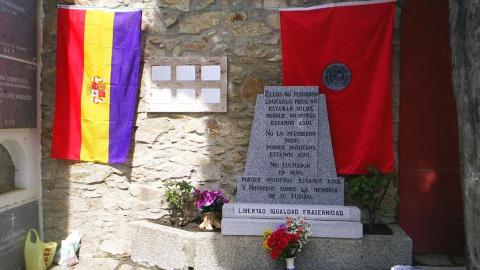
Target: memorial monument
x=290, y=169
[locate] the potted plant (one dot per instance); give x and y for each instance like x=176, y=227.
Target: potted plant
x=178, y=198
x=210, y=203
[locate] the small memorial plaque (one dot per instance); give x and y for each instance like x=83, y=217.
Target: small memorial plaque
x=18, y=99
x=18, y=29
x=185, y=96
x=185, y=73
x=161, y=73
x=211, y=73
x=15, y=224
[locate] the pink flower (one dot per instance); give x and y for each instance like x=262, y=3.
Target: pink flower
x=208, y=201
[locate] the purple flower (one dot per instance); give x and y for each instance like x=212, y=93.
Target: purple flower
x=209, y=200
x=281, y=226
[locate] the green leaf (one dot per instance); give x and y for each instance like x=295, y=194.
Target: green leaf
x=371, y=188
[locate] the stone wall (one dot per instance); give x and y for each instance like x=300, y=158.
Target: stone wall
x=206, y=149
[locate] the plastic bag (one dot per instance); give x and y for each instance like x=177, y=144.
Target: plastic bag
x=67, y=255
x=38, y=255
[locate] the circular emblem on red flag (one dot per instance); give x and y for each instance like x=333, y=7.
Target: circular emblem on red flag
x=336, y=76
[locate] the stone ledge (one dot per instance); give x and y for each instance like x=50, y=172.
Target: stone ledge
x=278, y=211
x=170, y=248
x=325, y=229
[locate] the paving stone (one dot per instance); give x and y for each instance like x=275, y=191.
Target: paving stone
x=432, y=259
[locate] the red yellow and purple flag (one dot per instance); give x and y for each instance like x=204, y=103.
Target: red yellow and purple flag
x=346, y=50
x=98, y=59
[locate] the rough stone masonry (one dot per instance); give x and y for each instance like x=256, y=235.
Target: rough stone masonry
x=208, y=150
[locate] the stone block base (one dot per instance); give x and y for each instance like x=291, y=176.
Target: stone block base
x=170, y=248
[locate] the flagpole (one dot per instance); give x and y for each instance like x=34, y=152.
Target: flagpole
x=358, y=3
x=99, y=8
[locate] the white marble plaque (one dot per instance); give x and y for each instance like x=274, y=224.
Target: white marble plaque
x=162, y=73
x=185, y=73
x=186, y=96
x=160, y=96
x=196, y=84
x=210, y=73
x=210, y=95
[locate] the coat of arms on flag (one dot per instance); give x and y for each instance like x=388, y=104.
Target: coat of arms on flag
x=98, y=90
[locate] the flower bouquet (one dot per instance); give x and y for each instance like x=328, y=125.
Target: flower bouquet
x=209, y=203
x=287, y=239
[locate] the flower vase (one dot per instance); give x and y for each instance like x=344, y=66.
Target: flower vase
x=210, y=220
x=290, y=263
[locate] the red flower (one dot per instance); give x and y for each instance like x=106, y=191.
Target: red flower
x=272, y=239
x=274, y=253
x=283, y=243
x=294, y=237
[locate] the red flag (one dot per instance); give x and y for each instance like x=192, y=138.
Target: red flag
x=346, y=50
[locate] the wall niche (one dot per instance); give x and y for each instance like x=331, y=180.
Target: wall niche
x=7, y=171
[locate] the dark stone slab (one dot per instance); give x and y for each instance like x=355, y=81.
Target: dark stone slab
x=18, y=98
x=15, y=224
x=18, y=29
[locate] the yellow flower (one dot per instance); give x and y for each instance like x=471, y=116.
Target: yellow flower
x=266, y=233
x=265, y=245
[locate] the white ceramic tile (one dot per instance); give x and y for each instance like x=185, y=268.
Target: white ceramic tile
x=210, y=73
x=185, y=73
x=210, y=95
x=186, y=96
x=161, y=73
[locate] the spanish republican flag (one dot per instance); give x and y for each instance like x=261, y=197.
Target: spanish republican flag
x=98, y=58
x=346, y=50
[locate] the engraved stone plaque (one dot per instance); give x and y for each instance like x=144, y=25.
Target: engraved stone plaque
x=18, y=98
x=18, y=29
x=290, y=157
x=15, y=224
